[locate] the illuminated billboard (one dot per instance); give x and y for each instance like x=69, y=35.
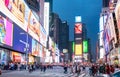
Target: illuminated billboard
x=46, y=17
x=78, y=28
x=117, y=13
x=43, y=36
x=6, y=30
x=106, y=40
x=78, y=19
x=33, y=26
x=73, y=46
x=112, y=27
x=35, y=48
x=85, y=46
x=22, y=15
x=78, y=49
x=20, y=40
x=15, y=10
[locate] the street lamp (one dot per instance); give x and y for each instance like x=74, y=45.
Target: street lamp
x=26, y=45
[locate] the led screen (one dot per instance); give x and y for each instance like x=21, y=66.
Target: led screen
x=106, y=40
x=22, y=15
x=20, y=40
x=43, y=36
x=117, y=13
x=73, y=46
x=6, y=30
x=78, y=49
x=35, y=48
x=85, y=46
x=78, y=28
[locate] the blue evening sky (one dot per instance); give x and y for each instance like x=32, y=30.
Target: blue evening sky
x=89, y=10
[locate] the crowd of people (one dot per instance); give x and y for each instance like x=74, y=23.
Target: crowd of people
x=75, y=68
x=93, y=69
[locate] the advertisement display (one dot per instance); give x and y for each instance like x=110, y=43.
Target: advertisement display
x=117, y=14
x=73, y=46
x=77, y=58
x=31, y=59
x=78, y=28
x=85, y=55
x=20, y=13
x=35, y=48
x=6, y=30
x=16, y=57
x=78, y=49
x=15, y=10
x=43, y=36
x=34, y=5
x=41, y=14
x=46, y=17
x=112, y=27
x=21, y=39
x=3, y=57
x=106, y=40
x=40, y=52
x=85, y=46
x=33, y=26
x=78, y=19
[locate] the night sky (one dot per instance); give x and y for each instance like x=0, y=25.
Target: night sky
x=89, y=10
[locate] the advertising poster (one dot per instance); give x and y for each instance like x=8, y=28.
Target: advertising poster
x=3, y=57
x=16, y=57
x=43, y=36
x=78, y=49
x=112, y=27
x=106, y=40
x=117, y=13
x=16, y=7
x=33, y=26
x=15, y=10
x=20, y=40
x=85, y=46
x=35, y=48
x=20, y=13
x=78, y=28
x=46, y=17
x=6, y=30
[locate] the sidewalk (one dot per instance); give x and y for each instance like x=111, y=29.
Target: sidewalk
x=6, y=71
x=82, y=74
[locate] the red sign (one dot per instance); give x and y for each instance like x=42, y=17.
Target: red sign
x=16, y=58
x=78, y=28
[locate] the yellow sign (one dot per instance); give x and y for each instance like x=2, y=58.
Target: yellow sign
x=78, y=49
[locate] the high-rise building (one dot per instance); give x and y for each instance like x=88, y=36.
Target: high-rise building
x=63, y=42
x=54, y=27
x=84, y=32
x=63, y=35
x=51, y=4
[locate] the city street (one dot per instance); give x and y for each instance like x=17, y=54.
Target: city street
x=55, y=72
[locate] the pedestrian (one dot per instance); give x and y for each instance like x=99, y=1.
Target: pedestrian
x=112, y=69
x=44, y=68
x=65, y=68
x=71, y=67
x=78, y=69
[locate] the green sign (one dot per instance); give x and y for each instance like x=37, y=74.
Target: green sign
x=85, y=46
x=73, y=46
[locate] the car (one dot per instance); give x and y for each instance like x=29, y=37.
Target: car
x=116, y=74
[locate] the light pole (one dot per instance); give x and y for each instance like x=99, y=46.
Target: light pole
x=26, y=46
